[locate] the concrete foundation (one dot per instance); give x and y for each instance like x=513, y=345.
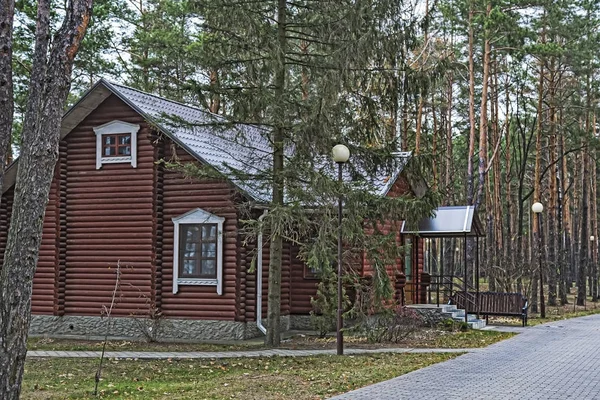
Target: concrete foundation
x=164, y=329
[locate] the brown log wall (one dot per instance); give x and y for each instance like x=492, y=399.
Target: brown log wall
x=302, y=289
x=97, y=218
x=108, y=220
x=180, y=196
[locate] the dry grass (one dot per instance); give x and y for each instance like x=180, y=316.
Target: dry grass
x=422, y=338
x=279, y=378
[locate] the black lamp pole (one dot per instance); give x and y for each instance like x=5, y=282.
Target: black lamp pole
x=340, y=321
x=540, y=244
x=537, y=209
x=340, y=156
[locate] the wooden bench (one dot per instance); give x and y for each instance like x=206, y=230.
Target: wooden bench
x=494, y=303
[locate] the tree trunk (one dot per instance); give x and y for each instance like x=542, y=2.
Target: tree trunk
x=594, y=222
x=583, y=252
x=49, y=87
x=483, y=119
x=448, y=170
x=275, y=259
x=7, y=9
x=552, y=244
x=419, y=123
x=563, y=223
x=434, y=146
x=509, y=248
x=537, y=175
x=470, y=177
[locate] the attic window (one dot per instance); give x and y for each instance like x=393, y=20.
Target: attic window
x=116, y=142
x=116, y=145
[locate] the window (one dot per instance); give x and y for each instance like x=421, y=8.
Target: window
x=310, y=273
x=116, y=142
x=408, y=258
x=198, y=253
x=116, y=145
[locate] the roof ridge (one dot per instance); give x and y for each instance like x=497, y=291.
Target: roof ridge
x=120, y=85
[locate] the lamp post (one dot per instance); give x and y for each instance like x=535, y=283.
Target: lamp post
x=341, y=154
x=537, y=209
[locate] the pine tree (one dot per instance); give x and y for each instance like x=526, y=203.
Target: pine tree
x=311, y=74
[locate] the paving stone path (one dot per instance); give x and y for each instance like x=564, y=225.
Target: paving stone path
x=229, y=354
x=560, y=360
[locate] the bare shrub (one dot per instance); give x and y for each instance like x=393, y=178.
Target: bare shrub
x=392, y=325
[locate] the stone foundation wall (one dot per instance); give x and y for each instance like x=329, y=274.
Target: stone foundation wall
x=301, y=323
x=431, y=316
x=187, y=330
x=144, y=329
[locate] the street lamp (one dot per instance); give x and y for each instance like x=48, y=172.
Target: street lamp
x=341, y=154
x=537, y=209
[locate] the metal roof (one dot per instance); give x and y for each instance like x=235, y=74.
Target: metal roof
x=207, y=137
x=455, y=221
x=228, y=147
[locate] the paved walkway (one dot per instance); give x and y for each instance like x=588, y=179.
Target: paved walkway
x=560, y=360
x=229, y=354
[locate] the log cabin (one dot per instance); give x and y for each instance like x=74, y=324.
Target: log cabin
x=184, y=271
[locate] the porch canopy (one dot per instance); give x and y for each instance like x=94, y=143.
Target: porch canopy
x=448, y=222
x=451, y=222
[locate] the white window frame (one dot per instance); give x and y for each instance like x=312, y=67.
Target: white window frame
x=197, y=217
x=113, y=128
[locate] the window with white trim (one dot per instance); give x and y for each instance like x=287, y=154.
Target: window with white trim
x=198, y=250
x=116, y=142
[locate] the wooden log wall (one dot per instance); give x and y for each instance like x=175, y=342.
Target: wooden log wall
x=181, y=195
x=119, y=214
x=302, y=288
x=96, y=218
x=108, y=220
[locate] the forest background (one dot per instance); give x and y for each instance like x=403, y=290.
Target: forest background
x=500, y=98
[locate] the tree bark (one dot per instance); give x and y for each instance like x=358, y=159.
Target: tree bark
x=483, y=118
x=275, y=259
x=583, y=251
x=553, y=187
x=7, y=10
x=449, y=155
x=563, y=223
x=470, y=178
x=49, y=87
x=594, y=225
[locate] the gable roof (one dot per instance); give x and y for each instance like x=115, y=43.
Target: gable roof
x=206, y=136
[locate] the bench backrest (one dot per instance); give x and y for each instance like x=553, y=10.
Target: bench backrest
x=501, y=303
x=492, y=302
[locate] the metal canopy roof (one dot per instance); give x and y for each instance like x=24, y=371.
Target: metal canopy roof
x=456, y=221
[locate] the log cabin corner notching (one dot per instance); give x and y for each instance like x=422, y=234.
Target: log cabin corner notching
x=184, y=271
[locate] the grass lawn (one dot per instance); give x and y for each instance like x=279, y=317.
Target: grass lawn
x=248, y=378
x=38, y=343
x=570, y=310
x=425, y=338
